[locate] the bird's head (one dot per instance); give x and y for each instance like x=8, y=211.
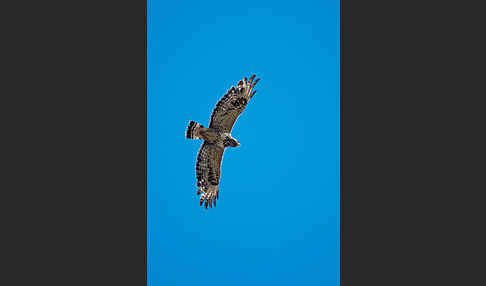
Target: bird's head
x=230, y=142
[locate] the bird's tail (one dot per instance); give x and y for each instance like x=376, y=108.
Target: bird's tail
x=193, y=130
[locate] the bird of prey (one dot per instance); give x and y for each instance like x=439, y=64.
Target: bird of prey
x=217, y=137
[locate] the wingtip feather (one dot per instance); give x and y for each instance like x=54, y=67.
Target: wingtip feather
x=251, y=79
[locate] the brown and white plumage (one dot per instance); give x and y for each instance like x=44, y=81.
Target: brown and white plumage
x=232, y=104
x=208, y=172
x=217, y=137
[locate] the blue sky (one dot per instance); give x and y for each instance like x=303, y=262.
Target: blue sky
x=277, y=219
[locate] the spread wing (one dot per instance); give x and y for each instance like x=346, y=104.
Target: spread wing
x=208, y=171
x=232, y=104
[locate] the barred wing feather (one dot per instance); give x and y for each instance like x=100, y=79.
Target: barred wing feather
x=232, y=104
x=208, y=172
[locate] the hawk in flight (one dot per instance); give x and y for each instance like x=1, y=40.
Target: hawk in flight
x=217, y=137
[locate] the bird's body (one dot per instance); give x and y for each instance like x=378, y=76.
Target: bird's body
x=217, y=137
